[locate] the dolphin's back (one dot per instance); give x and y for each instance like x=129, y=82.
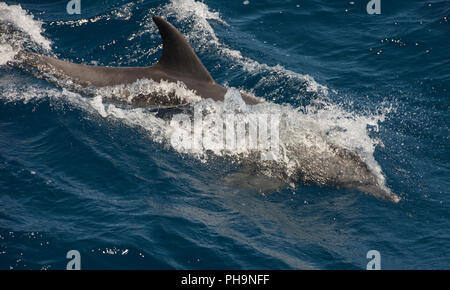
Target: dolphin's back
x=99, y=76
x=178, y=63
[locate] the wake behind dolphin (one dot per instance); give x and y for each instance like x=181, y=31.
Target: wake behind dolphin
x=330, y=165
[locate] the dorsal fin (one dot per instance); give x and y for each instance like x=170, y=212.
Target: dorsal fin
x=177, y=54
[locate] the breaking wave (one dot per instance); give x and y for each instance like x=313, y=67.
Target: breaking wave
x=23, y=22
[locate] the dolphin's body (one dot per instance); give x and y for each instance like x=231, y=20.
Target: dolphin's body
x=338, y=167
x=178, y=63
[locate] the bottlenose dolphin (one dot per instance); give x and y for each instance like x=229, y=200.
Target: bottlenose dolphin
x=336, y=167
x=178, y=63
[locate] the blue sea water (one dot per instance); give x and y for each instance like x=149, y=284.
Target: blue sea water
x=77, y=174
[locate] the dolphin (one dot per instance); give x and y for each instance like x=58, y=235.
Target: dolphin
x=339, y=167
x=178, y=63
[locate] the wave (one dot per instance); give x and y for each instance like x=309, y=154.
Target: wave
x=23, y=21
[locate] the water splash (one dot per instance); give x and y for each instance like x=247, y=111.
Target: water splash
x=18, y=29
x=144, y=87
x=25, y=22
x=7, y=53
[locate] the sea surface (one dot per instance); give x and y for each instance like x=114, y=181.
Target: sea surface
x=78, y=173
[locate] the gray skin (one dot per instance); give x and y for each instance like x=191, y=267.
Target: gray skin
x=178, y=62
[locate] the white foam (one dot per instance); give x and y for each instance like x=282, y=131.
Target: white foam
x=313, y=127
x=7, y=53
x=26, y=93
x=145, y=87
x=24, y=21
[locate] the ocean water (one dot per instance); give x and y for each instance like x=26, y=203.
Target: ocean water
x=78, y=173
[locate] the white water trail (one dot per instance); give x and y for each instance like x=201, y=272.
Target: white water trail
x=22, y=21
x=25, y=22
